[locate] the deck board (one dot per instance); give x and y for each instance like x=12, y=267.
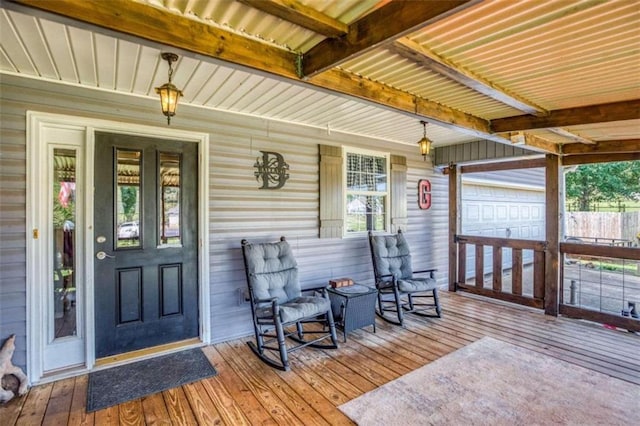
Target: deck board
x=178, y=407
x=246, y=391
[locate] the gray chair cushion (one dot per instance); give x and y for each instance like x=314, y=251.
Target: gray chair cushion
x=272, y=271
x=392, y=256
x=417, y=284
x=298, y=308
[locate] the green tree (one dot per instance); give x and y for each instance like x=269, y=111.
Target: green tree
x=129, y=196
x=591, y=183
x=62, y=214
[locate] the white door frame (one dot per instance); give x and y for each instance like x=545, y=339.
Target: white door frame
x=38, y=226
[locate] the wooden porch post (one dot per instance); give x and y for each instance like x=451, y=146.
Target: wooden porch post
x=454, y=193
x=552, y=225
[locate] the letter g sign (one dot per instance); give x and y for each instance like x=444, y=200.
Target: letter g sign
x=424, y=194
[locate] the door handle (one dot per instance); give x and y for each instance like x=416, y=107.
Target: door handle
x=102, y=255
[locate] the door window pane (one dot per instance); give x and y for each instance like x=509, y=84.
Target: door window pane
x=128, y=201
x=64, y=219
x=169, y=203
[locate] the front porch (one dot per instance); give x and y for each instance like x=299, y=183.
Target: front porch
x=246, y=391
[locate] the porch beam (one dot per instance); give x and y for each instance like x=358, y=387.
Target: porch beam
x=297, y=13
x=503, y=165
x=603, y=113
x=603, y=147
x=532, y=142
x=342, y=81
x=572, y=135
x=572, y=160
x=552, y=226
x=415, y=52
x=385, y=24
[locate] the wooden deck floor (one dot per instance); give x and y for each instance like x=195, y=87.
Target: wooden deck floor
x=248, y=392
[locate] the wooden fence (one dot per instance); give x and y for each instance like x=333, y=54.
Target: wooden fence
x=614, y=226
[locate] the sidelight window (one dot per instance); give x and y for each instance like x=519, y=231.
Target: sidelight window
x=64, y=243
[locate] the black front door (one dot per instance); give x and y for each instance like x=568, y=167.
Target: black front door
x=146, y=234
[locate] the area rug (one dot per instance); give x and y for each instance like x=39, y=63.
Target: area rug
x=490, y=382
x=132, y=381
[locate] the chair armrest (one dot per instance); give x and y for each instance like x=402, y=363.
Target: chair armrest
x=270, y=300
x=386, y=276
x=275, y=307
x=321, y=289
x=430, y=271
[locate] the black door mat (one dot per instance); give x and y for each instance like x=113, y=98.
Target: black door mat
x=132, y=381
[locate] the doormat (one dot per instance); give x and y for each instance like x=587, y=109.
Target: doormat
x=490, y=382
x=116, y=385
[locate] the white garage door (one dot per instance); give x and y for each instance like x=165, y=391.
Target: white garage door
x=497, y=209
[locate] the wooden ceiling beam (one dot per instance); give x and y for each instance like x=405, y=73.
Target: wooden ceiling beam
x=383, y=25
x=571, y=135
x=354, y=85
x=413, y=51
x=603, y=147
x=574, y=160
x=532, y=142
x=299, y=14
x=529, y=163
x=603, y=113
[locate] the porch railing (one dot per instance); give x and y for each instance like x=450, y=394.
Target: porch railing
x=497, y=290
x=601, y=283
x=599, y=241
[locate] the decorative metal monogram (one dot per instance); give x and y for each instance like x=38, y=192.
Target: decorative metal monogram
x=272, y=170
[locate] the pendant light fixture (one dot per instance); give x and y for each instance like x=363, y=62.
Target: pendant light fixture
x=169, y=94
x=424, y=144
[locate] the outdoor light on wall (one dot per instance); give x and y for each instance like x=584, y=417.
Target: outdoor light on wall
x=169, y=94
x=424, y=144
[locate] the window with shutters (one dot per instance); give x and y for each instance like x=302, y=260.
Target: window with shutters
x=366, y=195
x=374, y=181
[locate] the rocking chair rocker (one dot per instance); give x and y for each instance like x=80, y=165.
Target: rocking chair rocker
x=279, y=308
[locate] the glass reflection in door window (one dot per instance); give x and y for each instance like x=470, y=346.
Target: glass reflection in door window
x=64, y=220
x=128, y=201
x=169, y=203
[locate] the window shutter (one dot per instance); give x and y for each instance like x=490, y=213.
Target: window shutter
x=398, y=193
x=331, y=197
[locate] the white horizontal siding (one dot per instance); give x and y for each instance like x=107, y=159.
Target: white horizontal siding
x=13, y=295
x=237, y=207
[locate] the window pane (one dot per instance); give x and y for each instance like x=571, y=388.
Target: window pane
x=64, y=219
x=128, y=198
x=169, y=222
x=380, y=174
x=366, y=173
x=365, y=213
